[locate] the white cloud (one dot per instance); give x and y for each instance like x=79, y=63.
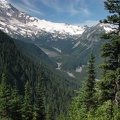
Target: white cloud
x=85, y=11
x=89, y=23
x=72, y=8
x=68, y=6
x=27, y=7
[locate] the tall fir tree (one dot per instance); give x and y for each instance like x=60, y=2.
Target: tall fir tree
x=50, y=113
x=15, y=103
x=89, y=85
x=85, y=101
x=39, y=109
x=110, y=85
x=27, y=106
x=5, y=96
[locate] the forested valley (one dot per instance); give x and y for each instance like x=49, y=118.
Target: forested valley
x=23, y=80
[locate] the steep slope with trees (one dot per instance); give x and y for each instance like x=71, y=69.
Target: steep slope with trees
x=58, y=89
x=35, y=53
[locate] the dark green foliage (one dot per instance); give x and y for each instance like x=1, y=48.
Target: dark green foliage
x=4, y=97
x=89, y=85
x=107, y=86
x=27, y=106
x=111, y=51
x=58, y=88
x=50, y=113
x=111, y=54
x=106, y=91
x=17, y=67
x=62, y=117
x=85, y=101
x=35, y=53
x=15, y=103
x=39, y=109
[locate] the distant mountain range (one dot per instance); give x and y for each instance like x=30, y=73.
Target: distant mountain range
x=68, y=45
x=16, y=22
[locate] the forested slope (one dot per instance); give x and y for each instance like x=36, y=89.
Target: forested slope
x=58, y=89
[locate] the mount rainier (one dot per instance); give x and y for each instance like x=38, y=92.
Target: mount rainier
x=69, y=45
x=17, y=23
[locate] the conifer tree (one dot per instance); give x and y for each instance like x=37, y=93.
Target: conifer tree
x=85, y=101
x=89, y=88
x=39, y=109
x=27, y=107
x=113, y=6
x=15, y=104
x=112, y=48
x=111, y=52
x=4, y=97
x=61, y=117
x=50, y=113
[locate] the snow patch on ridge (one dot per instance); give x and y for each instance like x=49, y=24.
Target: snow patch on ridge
x=34, y=26
x=4, y=4
x=107, y=27
x=1, y=28
x=58, y=27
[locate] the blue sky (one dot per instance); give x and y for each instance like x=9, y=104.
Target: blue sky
x=78, y=12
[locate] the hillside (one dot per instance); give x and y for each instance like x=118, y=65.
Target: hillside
x=58, y=88
x=34, y=53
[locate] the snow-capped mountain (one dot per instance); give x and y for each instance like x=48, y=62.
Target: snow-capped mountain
x=17, y=23
x=70, y=45
x=21, y=25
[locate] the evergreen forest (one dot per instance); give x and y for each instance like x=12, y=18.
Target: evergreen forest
x=23, y=81
x=32, y=90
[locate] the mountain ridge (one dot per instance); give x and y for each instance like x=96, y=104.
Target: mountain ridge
x=70, y=51
x=13, y=20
